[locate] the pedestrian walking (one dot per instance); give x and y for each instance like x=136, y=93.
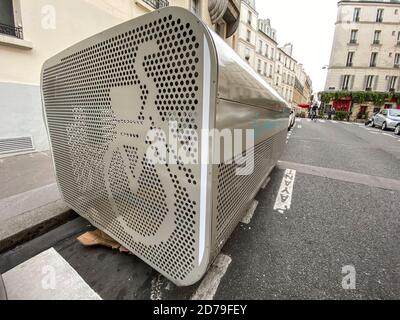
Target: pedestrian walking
x=314, y=110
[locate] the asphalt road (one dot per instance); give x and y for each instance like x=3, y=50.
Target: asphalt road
x=298, y=253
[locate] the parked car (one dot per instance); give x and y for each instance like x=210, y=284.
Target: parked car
x=397, y=129
x=387, y=119
x=292, y=119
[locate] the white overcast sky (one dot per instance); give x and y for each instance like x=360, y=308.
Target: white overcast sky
x=309, y=25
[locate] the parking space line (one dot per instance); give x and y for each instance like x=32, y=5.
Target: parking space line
x=47, y=276
x=156, y=285
x=284, y=198
x=322, y=121
x=333, y=121
x=388, y=135
x=209, y=286
x=340, y=175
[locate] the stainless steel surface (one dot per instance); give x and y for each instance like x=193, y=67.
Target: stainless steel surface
x=101, y=98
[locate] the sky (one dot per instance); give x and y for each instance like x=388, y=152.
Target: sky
x=309, y=25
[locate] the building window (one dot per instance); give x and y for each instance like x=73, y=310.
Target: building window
x=374, y=57
x=369, y=82
x=272, y=53
x=356, y=16
x=350, y=56
x=377, y=36
x=266, y=50
x=248, y=37
x=396, y=11
x=195, y=7
x=265, y=68
x=271, y=71
x=259, y=66
x=379, y=15
x=247, y=54
x=249, y=17
x=7, y=20
x=397, y=60
x=398, y=38
x=353, y=36
x=260, y=45
x=346, y=82
x=157, y=4
x=392, y=83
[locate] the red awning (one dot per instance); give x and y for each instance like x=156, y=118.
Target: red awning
x=304, y=106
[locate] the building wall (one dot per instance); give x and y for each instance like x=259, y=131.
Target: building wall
x=246, y=48
x=367, y=25
x=49, y=27
x=303, y=86
x=277, y=67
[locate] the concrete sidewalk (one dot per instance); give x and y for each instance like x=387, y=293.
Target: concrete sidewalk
x=30, y=202
x=19, y=174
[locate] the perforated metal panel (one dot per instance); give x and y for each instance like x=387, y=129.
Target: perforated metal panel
x=103, y=96
x=234, y=192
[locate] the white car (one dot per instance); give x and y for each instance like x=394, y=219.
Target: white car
x=387, y=119
x=292, y=119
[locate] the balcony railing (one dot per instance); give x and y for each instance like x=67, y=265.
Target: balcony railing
x=377, y=42
x=11, y=31
x=157, y=4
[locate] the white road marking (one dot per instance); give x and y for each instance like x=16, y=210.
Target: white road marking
x=388, y=135
x=299, y=126
x=322, y=121
x=250, y=212
x=209, y=286
x=156, y=285
x=373, y=132
x=308, y=120
x=47, y=276
x=284, y=199
x=298, y=120
x=333, y=121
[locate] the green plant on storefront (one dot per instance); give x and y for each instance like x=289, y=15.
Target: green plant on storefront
x=377, y=98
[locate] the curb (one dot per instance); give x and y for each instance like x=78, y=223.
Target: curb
x=34, y=223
